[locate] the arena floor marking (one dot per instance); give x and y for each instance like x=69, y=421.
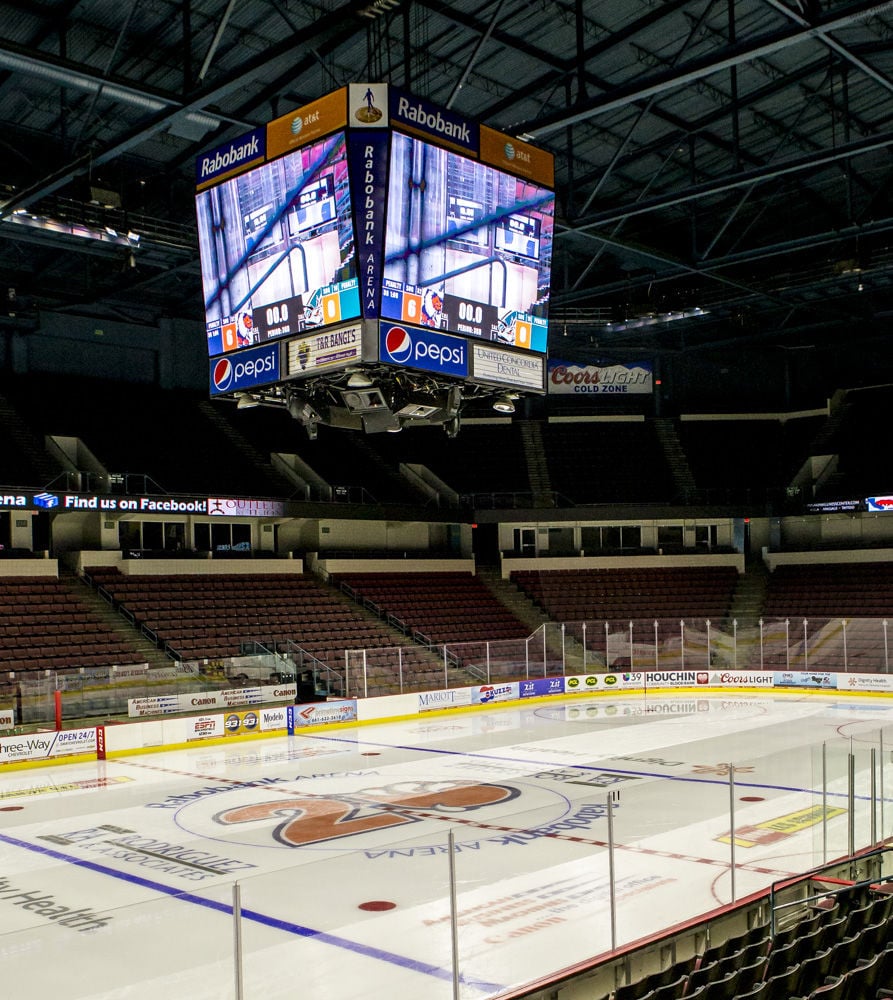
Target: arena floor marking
x=324, y=937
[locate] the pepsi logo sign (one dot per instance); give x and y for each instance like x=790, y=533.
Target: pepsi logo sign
x=245, y=369
x=429, y=350
x=398, y=345
x=223, y=374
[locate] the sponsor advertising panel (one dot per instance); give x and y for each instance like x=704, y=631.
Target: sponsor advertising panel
x=170, y=704
x=864, y=682
x=771, y=831
x=741, y=678
x=367, y=154
x=801, y=679
x=321, y=713
x=323, y=351
x=160, y=704
x=424, y=349
x=541, y=686
x=204, y=727
x=568, y=378
x=272, y=719
x=495, y=364
x=676, y=678
x=489, y=694
x=231, y=158
x=241, y=723
x=307, y=123
x=632, y=680
x=454, y=698
x=45, y=746
x=509, y=153
x=879, y=503
x=414, y=114
x=7, y=719
x=231, y=507
x=246, y=370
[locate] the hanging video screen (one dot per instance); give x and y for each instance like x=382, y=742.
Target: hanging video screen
x=277, y=248
x=468, y=248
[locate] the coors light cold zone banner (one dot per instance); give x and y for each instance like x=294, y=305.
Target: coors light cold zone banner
x=566, y=377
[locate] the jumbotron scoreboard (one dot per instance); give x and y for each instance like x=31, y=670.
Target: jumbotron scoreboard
x=370, y=260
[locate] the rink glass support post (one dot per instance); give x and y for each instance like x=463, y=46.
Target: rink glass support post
x=734, y=643
x=824, y=802
x=400, y=666
x=805, y=645
x=612, y=888
x=237, y=940
x=761, y=644
x=656, y=647
x=632, y=665
x=527, y=657
x=454, y=911
x=874, y=837
x=607, y=650
x=563, y=666
x=584, y=647
x=682, y=644
x=846, y=665
x=787, y=643
x=487, y=644
x=446, y=676
x=707, y=624
x=886, y=658
x=851, y=802
x=732, y=829
x=365, y=676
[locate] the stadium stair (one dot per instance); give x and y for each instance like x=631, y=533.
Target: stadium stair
x=751, y=591
x=677, y=461
x=537, y=466
x=86, y=595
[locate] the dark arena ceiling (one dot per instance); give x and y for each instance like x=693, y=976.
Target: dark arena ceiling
x=723, y=167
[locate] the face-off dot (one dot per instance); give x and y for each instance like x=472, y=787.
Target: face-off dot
x=377, y=905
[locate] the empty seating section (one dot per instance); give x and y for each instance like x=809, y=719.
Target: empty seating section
x=607, y=462
x=736, y=459
x=620, y=594
x=831, y=590
x=43, y=626
x=842, y=952
x=859, y=473
x=198, y=616
x=484, y=458
x=445, y=607
x=177, y=440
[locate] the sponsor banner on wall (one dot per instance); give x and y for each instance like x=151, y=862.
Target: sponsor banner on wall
x=569, y=378
x=541, y=686
x=741, y=678
x=272, y=719
x=241, y=723
x=497, y=365
x=46, y=746
x=633, y=679
x=676, y=678
x=489, y=694
x=864, y=682
x=231, y=507
x=162, y=704
x=803, y=679
x=7, y=719
x=324, y=351
x=321, y=713
x=204, y=727
x=430, y=701
x=879, y=503
x=833, y=506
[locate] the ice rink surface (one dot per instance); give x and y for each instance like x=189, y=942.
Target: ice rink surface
x=117, y=877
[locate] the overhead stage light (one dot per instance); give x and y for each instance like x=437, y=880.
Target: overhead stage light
x=504, y=404
x=359, y=380
x=247, y=401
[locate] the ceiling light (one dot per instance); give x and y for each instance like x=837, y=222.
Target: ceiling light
x=504, y=404
x=359, y=380
x=247, y=401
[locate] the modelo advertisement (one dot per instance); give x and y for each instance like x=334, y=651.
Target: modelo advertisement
x=632, y=680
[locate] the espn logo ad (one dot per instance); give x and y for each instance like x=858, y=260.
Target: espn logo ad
x=245, y=370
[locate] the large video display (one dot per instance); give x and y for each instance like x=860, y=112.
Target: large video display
x=277, y=248
x=468, y=248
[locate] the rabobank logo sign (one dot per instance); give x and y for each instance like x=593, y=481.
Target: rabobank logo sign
x=445, y=126
x=244, y=370
x=234, y=155
x=425, y=349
